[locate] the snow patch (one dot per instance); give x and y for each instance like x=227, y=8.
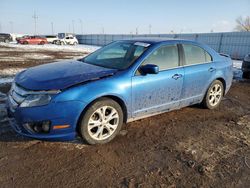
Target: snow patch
x=49, y=47
x=37, y=56
x=10, y=72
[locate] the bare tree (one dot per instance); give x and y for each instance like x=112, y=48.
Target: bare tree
x=243, y=24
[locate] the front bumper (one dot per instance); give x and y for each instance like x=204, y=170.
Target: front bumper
x=60, y=113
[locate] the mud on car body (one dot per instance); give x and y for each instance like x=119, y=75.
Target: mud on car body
x=121, y=82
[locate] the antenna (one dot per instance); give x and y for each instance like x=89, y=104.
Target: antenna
x=35, y=17
x=150, y=29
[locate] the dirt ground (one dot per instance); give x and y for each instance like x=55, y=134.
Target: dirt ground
x=191, y=147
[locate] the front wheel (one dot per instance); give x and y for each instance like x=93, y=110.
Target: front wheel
x=102, y=121
x=214, y=95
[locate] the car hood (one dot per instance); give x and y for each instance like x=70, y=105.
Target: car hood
x=60, y=75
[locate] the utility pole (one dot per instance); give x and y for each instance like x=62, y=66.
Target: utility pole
x=35, y=17
x=103, y=31
x=150, y=29
x=73, y=26
x=69, y=29
x=81, y=26
x=11, y=26
x=136, y=30
x=52, y=28
x=0, y=27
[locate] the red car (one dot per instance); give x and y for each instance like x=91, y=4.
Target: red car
x=33, y=40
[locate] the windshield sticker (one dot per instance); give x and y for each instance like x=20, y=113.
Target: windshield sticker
x=143, y=44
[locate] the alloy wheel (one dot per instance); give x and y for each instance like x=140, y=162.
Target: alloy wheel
x=215, y=94
x=103, y=123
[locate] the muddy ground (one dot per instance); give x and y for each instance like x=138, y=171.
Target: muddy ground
x=191, y=147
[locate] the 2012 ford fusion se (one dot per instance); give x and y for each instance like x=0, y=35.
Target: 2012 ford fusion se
x=121, y=82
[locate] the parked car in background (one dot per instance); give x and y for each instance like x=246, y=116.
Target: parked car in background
x=51, y=38
x=66, y=38
x=22, y=37
x=33, y=40
x=5, y=37
x=121, y=82
x=246, y=67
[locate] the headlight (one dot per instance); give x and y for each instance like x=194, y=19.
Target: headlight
x=36, y=100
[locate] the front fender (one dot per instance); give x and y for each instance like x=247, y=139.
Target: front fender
x=117, y=86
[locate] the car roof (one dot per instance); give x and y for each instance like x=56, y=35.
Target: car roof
x=157, y=40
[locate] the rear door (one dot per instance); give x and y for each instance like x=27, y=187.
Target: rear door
x=154, y=93
x=199, y=71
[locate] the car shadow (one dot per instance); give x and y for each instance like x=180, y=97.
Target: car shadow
x=11, y=136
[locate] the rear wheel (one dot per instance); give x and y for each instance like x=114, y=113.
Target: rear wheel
x=214, y=95
x=102, y=121
x=42, y=43
x=25, y=42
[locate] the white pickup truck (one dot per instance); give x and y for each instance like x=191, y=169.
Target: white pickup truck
x=66, y=38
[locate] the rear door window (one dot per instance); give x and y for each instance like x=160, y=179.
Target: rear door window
x=195, y=55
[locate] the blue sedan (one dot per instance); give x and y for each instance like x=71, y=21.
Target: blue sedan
x=121, y=82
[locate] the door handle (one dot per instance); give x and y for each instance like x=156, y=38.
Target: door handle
x=211, y=69
x=177, y=76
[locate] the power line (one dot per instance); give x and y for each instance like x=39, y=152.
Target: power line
x=35, y=17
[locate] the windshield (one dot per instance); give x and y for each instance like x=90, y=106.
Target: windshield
x=118, y=55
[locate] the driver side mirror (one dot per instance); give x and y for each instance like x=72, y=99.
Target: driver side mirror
x=149, y=69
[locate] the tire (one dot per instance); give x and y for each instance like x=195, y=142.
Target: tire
x=6, y=41
x=42, y=43
x=62, y=43
x=75, y=43
x=97, y=128
x=246, y=75
x=214, y=95
x=25, y=42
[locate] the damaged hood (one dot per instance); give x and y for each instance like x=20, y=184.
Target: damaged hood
x=60, y=75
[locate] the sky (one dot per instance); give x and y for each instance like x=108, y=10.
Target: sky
x=121, y=17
